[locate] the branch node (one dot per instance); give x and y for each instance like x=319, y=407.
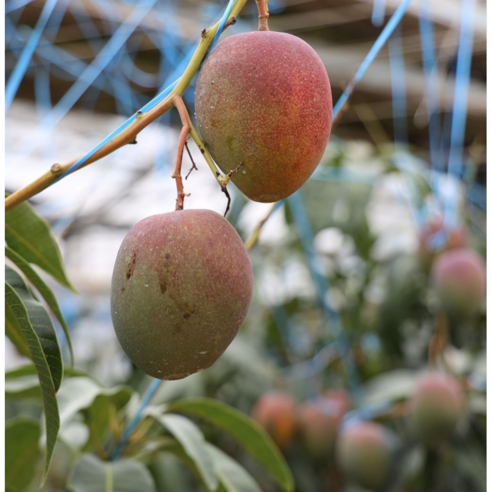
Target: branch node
x=204, y=32
x=227, y=177
x=56, y=168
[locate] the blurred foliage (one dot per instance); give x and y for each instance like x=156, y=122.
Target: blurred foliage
x=387, y=309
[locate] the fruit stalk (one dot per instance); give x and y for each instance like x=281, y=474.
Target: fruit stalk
x=438, y=341
x=177, y=168
x=262, y=15
x=142, y=120
x=188, y=128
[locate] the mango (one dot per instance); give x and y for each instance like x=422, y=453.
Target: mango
x=264, y=107
x=364, y=454
x=181, y=288
x=436, y=405
x=319, y=420
x=459, y=278
x=276, y=412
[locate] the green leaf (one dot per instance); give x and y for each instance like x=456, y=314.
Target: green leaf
x=40, y=321
x=30, y=369
x=250, y=434
x=97, y=418
x=393, y=385
x=169, y=473
x=26, y=387
x=21, y=452
x=471, y=462
x=30, y=236
x=43, y=289
x=14, y=333
x=191, y=439
x=90, y=474
x=48, y=391
x=233, y=477
x=79, y=393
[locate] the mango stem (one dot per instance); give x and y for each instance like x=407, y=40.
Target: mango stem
x=186, y=120
x=262, y=15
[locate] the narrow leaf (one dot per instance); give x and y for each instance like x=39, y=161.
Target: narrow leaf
x=21, y=452
x=43, y=289
x=79, y=393
x=48, y=390
x=14, y=333
x=250, y=434
x=193, y=443
x=41, y=322
x=30, y=369
x=233, y=477
x=29, y=235
x=90, y=474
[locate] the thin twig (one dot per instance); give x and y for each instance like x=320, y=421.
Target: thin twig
x=228, y=206
x=177, y=168
x=234, y=171
x=222, y=180
x=193, y=165
x=439, y=341
x=255, y=235
x=185, y=118
x=225, y=182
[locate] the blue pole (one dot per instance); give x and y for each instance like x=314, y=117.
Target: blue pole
x=26, y=56
x=373, y=52
x=462, y=85
x=149, y=394
x=398, y=88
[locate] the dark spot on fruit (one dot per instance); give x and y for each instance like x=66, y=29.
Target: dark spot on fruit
x=162, y=281
x=131, y=266
x=122, y=289
x=168, y=256
x=186, y=315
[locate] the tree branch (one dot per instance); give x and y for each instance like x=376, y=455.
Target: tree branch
x=142, y=120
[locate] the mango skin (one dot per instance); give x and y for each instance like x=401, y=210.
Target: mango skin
x=182, y=286
x=436, y=406
x=276, y=412
x=364, y=454
x=264, y=99
x=459, y=278
x=319, y=420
